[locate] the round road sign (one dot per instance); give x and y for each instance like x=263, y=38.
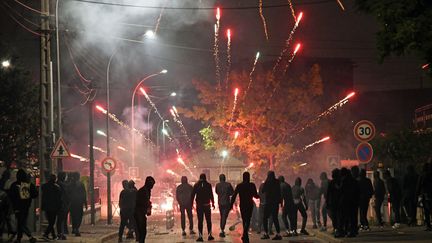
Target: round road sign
x=364, y=131
x=364, y=152
x=109, y=164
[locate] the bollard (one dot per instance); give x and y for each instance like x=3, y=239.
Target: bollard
x=169, y=219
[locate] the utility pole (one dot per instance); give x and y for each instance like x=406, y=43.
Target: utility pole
x=59, y=111
x=92, y=163
x=45, y=95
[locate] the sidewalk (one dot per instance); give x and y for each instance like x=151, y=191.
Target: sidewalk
x=386, y=234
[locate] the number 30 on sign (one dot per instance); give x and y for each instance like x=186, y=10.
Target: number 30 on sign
x=364, y=131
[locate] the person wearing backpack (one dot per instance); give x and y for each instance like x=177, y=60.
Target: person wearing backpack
x=22, y=191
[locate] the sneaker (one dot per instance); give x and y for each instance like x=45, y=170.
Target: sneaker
x=265, y=237
x=294, y=233
x=303, y=231
x=287, y=234
x=222, y=234
x=183, y=233
x=191, y=232
x=200, y=239
x=45, y=237
x=210, y=238
x=314, y=226
x=396, y=226
x=277, y=237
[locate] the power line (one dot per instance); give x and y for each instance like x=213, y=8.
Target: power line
x=20, y=15
x=21, y=24
x=198, y=8
x=30, y=8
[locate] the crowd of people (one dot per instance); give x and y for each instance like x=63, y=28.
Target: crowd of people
x=60, y=196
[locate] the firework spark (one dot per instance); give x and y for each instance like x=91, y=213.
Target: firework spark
x=181, y=161
x=98, y=149
x=151, y=103
x=263, y=19
x=311, y=145
x=288, y=42
x=81, y=158
x=236, y=92
x=251, y=74
x=172, y=173
x=159, y=19
x=236, y=134
x=228, y=68
x=297, y=48
x=292, y=9
x=340, y=4
x=177, y=120
x=216, y=46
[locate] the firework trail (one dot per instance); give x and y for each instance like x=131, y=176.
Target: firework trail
x=288, y=42
x=159, y=19
x=292, y=9
x=151, y=103
x=181, y=161
x=81, y=158
x=216, y=46
x=176, y=118
x=172, y=173
x=97, y=148
x=327, y=112
x=251, y=73
x=263, y=19
x=236, y=134
x=340, y=4
x=236, y=92
x=311, y=145
x=297, y=48
x=228, y=69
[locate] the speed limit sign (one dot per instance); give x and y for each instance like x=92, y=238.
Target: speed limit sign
x=364, y=131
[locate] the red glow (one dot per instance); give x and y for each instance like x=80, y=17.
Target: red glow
x=180, y=160
x=143, y=91
x=297, y=48
x=350, y=95
x=250, y=165
x=236, y=134
x=100, y=108
x=218, y=13
x=425, y=66
x=325, y=139
x=236, y=91
x=299, y=17
x=229, y=33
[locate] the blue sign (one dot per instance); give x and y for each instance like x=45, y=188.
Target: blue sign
x=364, y=152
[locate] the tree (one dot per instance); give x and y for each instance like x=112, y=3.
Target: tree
x=405, y=27
x=19, y=115
x=265, y=117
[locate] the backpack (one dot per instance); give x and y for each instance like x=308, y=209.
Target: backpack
x=24, y=191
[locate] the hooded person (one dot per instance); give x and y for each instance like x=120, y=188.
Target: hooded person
x=379, y=193
x=78, y=197
x=300, y=205
x=332, y=200
x=51, y=204
x=366, y=192
x=323, y=193
x=272, y=193
x=131, y=225
x=348, y=204
x=313, y=198
x=203, y=195
x=288, y=206
x=63, y=212
x=224, y=190
x=395, y=196
x=409, y=194
x=246, y=191
x=22, y=192
x=126, y=205
x=183, y=197
x=143, y=207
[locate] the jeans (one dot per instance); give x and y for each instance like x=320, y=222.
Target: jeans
x=141, y=225
x=273, y=211
x=246, y=214
x=126, y=216
x=21, y=217
x=76, y=213
x=183, y=211
x=224, y=212
x=299, y=208
x=364, y=205
x=51, y=217
x=314, y=206
x=377, y=208
x=204, y=211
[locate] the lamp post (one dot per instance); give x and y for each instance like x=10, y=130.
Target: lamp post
x=133, y=110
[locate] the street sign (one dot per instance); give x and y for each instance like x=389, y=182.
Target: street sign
x=364, y=152
x=333, y=161
x=108, y=164
x=364, y=131
x=60, y=150
x=133, y=172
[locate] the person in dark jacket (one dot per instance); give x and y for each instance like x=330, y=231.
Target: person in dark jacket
x=246, y=191
x=409, y=195
x=379, y=193
x=224, y=190
x=51, y=204
x=323, y=193
x=78, y=197
x=395, y=196
x=366, y=192
x=300, y=205
x=7, y=213
x=203, y=195
x=313, y=198
x=288, y=206
x=5, y=206
x=22, y=192
x=131, y=226
x=272, y=194
x=355, y=173
x=65, y=205
x=261, y=209
x=127, y=207
x=332, y=200
x=348, y=204
x=143, y=208
x=424, y=192
x=183, y=196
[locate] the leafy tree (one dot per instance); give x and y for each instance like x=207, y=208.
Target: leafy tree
x=264, y=119
x=19, y=114
x=406, y=26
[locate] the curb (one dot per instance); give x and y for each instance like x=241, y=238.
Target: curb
x=107, y=237
x=326, y=237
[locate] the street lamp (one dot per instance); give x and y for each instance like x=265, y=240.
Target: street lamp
x=224, y=154
x=150, y=34
x=173, y=94
x=5, y=64
x=133, y=110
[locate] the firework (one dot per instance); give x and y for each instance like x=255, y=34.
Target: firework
x=181, y=161
x=159, y=18
x=172, y=173
x=340, y=4
x=302, y=164
x=425, y=66
x=176, y=119
x=216, y=46
x=228, y=68
x=311, y=145
x=236, y=92
x=297, y=48
x=263, y=19
x=81, y=158
x=122, y=124
x=98, y=149
x=122, y=148
x=251, y=73
x=236, y=134
x=151, y=103
x=292, y=9
x=288, y=42
x=327, y=112
x=100, y=132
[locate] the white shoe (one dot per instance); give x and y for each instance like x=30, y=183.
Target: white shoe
x=396, y=226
